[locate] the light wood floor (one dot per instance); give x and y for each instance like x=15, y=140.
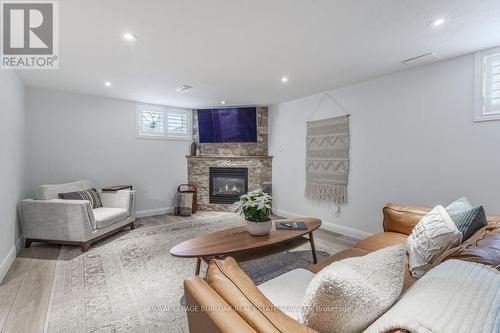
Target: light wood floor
x=25, y=290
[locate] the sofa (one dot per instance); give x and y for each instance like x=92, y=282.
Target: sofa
x=228, y=301
x=46, y=218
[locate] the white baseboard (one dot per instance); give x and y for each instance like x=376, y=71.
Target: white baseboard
x=329, y=226
x=9, y=259
x=154, y=212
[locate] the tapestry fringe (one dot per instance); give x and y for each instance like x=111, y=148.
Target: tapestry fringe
x=336, y=193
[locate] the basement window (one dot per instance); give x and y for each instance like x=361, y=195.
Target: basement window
x=487, y=85
x=163, y=122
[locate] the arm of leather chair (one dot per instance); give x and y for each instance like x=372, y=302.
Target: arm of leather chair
x=232, y=284
x=207, y=312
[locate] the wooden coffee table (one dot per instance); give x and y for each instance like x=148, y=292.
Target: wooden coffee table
x=243, y=247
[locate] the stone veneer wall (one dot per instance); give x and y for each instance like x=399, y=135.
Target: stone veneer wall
x=259, y=172
x=252, y=155
x=237, y=149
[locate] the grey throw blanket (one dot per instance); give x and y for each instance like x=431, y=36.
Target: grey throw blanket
x=327, y=159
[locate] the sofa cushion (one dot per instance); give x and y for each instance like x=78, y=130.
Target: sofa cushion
x=402, y=219
x=483, y=247
x=49, y=192
x=106, y=216
x=486, y=251
x=238, y=290
x=430, y=238
x=379, y=241
x=277, y=290
x=348, y=295
x=88, y=195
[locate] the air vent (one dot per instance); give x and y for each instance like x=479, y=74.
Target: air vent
x=183, y=88
x=423, y=59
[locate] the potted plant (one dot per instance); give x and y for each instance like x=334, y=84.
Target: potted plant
x=255, y=206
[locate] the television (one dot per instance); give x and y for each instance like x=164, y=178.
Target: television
x=228, y=125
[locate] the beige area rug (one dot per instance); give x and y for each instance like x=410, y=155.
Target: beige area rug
x=131, y=283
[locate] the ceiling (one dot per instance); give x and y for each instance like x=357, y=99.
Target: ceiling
x=238, y=50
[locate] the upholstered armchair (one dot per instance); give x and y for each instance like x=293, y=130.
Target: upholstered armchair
x=52, y=220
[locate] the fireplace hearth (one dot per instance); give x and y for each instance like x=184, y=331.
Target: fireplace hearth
x=227, y=184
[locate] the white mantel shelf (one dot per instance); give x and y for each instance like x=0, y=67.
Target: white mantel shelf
x=232, y=157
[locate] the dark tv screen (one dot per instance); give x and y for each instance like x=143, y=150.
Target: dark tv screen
x=228, y=125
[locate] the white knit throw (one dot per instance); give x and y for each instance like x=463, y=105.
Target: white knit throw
x=327, y=159
x=454, y=297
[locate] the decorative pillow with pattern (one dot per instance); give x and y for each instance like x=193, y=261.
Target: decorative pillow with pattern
x=435, y=233
x=458, y=206
x=88, y=195
x=350, y=294
x=468, y=219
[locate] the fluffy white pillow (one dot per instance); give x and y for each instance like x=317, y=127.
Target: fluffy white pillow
x=434, y=234
x=348, y=295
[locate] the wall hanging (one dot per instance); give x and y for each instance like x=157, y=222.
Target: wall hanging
x=327, y=157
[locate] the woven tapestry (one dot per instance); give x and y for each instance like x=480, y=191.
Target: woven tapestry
x=327, y=159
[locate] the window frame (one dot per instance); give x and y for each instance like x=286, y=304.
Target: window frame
x=165, y=135
x=480, y=113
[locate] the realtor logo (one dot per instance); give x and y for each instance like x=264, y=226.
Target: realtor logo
x=29, y=34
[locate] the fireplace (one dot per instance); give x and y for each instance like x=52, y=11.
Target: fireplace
x=227, y=184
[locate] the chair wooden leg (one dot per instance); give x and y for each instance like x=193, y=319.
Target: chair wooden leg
x=84, y=247
x=132, y=226
x=27, y=243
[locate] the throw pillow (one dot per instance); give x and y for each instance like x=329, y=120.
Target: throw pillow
x=88, y=195
x=348, y=295
x=458, y=206
x=434, y=234
x=470, y=221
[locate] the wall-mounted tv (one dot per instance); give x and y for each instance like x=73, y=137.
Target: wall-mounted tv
x=228, y=125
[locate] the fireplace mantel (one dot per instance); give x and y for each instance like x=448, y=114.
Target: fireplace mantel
x=231, y=157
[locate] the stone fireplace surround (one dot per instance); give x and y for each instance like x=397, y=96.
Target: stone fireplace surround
x=253, y=156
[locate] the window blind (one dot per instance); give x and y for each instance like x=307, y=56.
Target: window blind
x=492, y=84
x=163, y=122
x=178, y=124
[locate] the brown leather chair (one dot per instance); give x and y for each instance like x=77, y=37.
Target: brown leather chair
x=228, y=301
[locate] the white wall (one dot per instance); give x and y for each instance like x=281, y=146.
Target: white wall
x=74, y=137
x=413, y=141
x=12, y=164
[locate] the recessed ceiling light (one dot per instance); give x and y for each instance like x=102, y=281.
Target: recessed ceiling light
x=129, y=37
x=437, y=22
x=107, y=84
x=284, y=79
x=223, y=102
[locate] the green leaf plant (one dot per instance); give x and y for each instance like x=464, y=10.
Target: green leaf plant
x=255, y=206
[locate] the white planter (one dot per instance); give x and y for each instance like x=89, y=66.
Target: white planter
x=259, y=228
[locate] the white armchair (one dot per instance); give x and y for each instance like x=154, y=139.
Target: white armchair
x=49, y=219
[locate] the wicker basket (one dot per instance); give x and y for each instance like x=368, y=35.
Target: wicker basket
x=190, y=188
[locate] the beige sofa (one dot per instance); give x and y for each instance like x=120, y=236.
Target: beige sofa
x=52, y=220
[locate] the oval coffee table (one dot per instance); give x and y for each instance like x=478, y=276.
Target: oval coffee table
x=243, y=247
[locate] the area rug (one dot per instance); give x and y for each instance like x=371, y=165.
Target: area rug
x=131, y=283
